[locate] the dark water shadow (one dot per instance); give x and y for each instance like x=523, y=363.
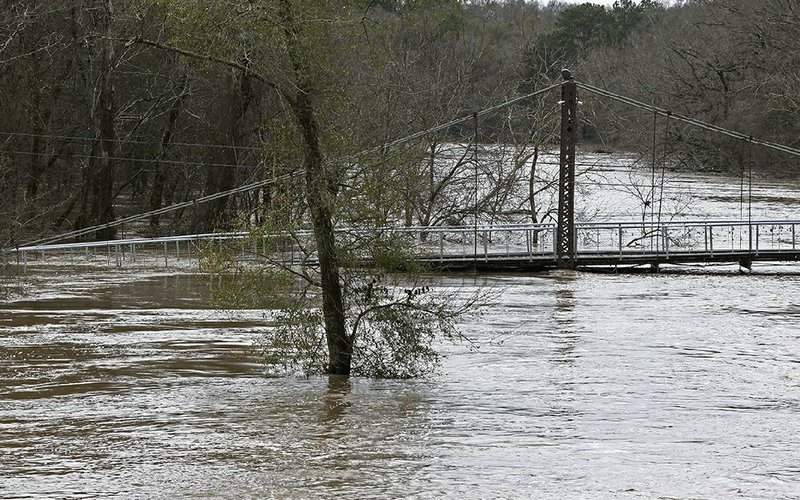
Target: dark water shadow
x=565, y=335
x=335, y=400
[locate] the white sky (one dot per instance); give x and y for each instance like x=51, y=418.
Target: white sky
x=607, y=3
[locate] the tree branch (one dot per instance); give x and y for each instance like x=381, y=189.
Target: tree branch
x=206, y=57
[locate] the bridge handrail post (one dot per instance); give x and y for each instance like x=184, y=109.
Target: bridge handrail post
x=654, y=235
x=758, y=234
x=665, y=235
x=528, y=241
x=619, y=228
x=794, y=240
x=598, y=239
x=711, y=239
x=574, y=246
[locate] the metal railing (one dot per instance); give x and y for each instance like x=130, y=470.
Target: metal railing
x=448, y=243
x=688, y=237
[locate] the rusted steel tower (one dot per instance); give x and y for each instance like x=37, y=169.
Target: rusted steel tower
x=565, y=232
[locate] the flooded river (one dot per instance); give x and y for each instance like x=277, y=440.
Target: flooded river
x=116, y=383
x=122, y=382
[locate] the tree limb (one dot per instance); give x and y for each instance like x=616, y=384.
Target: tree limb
x=206, y=57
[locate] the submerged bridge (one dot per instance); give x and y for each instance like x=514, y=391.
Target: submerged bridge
x=517, y=247
x=564, y=244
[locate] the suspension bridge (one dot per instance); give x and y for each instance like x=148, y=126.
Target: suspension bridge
x=565, y=243
x=513, y=247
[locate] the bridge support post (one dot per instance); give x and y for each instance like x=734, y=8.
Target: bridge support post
x=746, y=263
x=565, y=233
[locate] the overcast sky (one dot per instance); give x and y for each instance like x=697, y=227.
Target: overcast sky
x=608, y=3
x=601, y=2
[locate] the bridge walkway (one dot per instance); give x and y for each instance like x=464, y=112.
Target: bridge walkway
x=524, y=247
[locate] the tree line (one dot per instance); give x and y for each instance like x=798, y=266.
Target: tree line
x=123, y=106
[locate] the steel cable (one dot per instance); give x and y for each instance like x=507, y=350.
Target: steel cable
x=690, y=121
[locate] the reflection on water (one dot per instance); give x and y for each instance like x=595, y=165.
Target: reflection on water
x=592, y=386
x=565, y=336
x=336, y=398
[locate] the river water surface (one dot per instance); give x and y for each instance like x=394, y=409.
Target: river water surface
x=585, y=386
x=119, y=382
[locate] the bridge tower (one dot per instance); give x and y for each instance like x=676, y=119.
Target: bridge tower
x=565, y=231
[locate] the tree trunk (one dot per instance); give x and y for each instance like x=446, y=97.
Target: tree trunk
x=41, y=115
x=160, y=177
x=102, y=207
x=232, y=129
x=320, y=192
x=319, y=195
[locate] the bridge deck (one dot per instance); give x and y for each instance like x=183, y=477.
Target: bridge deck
x=525, y=247
x=525, y=262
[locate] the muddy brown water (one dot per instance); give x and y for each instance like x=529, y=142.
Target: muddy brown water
x=125, y=384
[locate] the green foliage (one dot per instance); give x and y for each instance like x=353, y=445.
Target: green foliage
x=585, y=24
x=581, y=28
x=393, y=255
x=239, y=286
x=296, y=344
x=393, y=320
x=627, y=16
x=396, y=322
x=410, y=6
x=394, y=329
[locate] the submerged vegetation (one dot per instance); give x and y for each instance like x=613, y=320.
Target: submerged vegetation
x=394, y=317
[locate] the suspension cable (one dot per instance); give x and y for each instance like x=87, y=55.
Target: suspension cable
x=475, y=166
x=382, y=148
x=443, y=126
x=663, y=168
x=254, y=185
x=750, y=195
x=691, y=121
x=128, y=141
x=741, y=181
x=160, y=211
x=652, y=197
x=128, y=159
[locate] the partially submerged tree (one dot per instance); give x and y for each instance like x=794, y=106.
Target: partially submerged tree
x=298, y=50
